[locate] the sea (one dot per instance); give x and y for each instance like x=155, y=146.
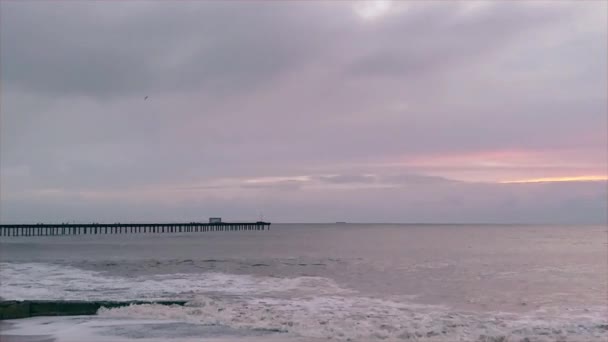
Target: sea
x=319, y=282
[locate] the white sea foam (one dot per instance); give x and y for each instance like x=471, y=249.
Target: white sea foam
x=50, y=281
x=98, y=329
x=358, y=318
x=298, y=308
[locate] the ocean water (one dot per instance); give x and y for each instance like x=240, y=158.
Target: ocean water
x=339, y=282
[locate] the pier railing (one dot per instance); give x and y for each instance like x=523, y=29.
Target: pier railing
x=126, y=228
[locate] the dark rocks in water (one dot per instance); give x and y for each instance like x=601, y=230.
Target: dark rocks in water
x=30, y=308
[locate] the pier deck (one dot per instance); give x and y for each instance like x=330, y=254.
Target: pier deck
x=126, y=228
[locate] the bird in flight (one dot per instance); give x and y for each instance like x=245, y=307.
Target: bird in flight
x=145, y=98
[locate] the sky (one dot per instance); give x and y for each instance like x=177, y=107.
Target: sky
x=376, y=111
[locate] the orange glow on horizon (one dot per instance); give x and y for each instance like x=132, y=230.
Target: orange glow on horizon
x=496, y=159
x=558, y=179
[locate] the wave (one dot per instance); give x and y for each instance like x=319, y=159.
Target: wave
x=355, y=318
x=301, y=307
x=35, y=281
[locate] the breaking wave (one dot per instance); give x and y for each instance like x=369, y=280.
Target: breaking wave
x=309, y=308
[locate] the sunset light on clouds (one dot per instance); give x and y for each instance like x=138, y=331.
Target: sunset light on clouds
x=299, y=170
x=379, y=111
x=560, y=179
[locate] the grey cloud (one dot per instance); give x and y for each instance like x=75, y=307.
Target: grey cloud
x=346, y=179
x=67, y=48
x=288, y=185
x=84, y=48
x=388, y=179
x=450, y=38
x=203, y=187
x=549, y=203
x=245, y=90
x=414, y=179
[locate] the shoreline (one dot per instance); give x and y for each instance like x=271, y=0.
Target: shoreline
x=21, y=338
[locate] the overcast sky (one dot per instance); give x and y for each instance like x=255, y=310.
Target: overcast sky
x=404, y=111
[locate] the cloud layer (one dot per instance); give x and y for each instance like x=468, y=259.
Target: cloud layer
x=306, y=111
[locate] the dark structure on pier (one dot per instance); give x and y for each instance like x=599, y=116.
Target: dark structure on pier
x=126, y=228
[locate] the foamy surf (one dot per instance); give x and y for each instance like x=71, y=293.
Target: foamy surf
x=232, y=307
x=356, y=318
x=97, y=329
x=313, y=319
x=22, y=281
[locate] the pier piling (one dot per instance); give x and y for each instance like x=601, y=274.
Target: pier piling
x=66, y=229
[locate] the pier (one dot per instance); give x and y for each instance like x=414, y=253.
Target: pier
x=127, y=228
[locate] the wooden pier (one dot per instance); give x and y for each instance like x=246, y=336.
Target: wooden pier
x=126, y=228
